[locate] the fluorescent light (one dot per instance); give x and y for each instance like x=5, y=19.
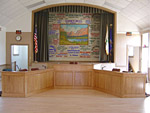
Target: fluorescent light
x=35, y=4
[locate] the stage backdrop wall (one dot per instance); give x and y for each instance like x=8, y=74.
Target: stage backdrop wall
x=85, y=25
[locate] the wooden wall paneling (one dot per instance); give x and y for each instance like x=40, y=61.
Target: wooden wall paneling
x=90, y=78
x=116, y=85
x=13, y=85
x=127, y=85
x=73, y=67
x=93, y=79
x=29, y=86
x=96, y=79
x=23, y=84
x=120, y=84
x=73, y=75
x=83, y=78
x=50, y=79
x=36, y=83
x=122, y=90
x=108, y=83
x=63, y=78
x=39, y=81
x=134, y=85
x=101, y=81
x=43, y=82
x=18, y=82
x=26, y=85
x=48, y=75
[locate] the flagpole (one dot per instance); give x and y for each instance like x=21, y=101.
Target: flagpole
x=35, y=56
x=110, y=42
x=34, y=49
x=35, y=39
x=35, y=44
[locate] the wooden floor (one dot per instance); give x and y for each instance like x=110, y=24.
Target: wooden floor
x=74, y=101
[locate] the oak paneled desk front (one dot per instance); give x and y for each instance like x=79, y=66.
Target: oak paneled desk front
x=26, y=83
x=23, y=84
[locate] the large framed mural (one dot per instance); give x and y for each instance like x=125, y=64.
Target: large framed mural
x=73, y=34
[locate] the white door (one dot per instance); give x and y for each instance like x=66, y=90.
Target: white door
x=19, y=54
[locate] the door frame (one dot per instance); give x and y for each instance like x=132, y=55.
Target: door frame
x=20, y=45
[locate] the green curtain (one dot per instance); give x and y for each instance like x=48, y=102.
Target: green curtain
x=41, y=25
x=106, y=19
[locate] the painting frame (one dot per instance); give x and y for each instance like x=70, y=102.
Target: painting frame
x=74, y=34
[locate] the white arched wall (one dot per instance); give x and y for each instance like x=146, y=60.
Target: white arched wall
x=124, y=25
x=22, y=23
x=2, y=45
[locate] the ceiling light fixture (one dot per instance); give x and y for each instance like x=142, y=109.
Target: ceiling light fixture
x=35, y=4
x=130, y=0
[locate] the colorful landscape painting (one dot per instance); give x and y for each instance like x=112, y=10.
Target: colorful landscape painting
x=73, y=34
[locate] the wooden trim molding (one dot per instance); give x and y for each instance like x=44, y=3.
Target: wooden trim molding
x=80, y=4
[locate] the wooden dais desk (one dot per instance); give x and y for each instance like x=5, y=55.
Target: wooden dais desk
x=23, y=84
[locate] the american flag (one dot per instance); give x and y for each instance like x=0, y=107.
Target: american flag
x=36, y=43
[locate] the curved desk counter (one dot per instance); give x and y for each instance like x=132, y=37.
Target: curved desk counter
x=23, y=84
x=120, y=84
x=26, y=83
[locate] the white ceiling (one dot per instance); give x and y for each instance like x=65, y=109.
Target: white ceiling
x=138, y=11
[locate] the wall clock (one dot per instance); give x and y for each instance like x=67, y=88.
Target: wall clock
x=18, y=38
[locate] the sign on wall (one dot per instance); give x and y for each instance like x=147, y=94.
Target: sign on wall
x=73, y=36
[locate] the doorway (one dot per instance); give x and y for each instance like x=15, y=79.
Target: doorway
x=19, y=54
x=133, y=58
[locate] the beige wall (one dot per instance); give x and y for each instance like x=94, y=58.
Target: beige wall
x=21, y=23
x=121, y=43
x=10, y=40
x=125, y=25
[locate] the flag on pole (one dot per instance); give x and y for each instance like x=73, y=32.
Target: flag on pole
x=106, y=41
x=110, y=41
x=35, y=43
